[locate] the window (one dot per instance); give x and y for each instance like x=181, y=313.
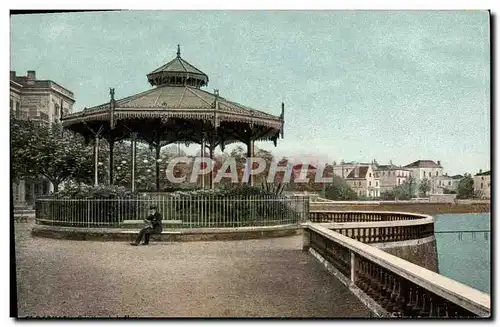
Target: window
x=11, y=105
x=370, y=183
x=370, y=175
x=376, y=183
x=424, y=173
x=482, y=178
x=346, y=170
x=481, y=185
x=437, y=173
x=449, y=183
x=399, y=181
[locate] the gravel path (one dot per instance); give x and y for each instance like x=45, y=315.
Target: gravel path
x=254, y=278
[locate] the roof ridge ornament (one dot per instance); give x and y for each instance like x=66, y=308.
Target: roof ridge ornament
x=178, y=50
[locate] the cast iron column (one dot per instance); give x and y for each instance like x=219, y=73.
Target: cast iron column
x=249, y=155
x=110, y=172
x=158, y=149
x=96, y=160
x=133, y=137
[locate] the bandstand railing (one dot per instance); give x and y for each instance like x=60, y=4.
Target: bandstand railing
x=179, y=212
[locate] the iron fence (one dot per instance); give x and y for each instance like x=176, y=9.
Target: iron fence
x=179, y=212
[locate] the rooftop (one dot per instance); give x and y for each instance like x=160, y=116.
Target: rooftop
x=423, y=164
x=30, y=82
x=485, y=173
x=361, y=173
x=178, y=72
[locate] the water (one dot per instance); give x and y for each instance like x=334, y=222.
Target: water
x=465, y=256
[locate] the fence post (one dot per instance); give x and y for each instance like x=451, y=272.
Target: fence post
x=88, y=213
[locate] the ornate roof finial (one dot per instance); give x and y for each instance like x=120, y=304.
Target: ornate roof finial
x=178, y=50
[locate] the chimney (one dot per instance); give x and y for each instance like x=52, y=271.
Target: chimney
x=12, y=74
x=439, y=163
x=390, y=162
x=356, y=172
x=480, y=171
x=31, y=75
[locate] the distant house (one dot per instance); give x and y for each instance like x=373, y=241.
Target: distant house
x=345, y=168
x=391, y=176
x=482, y=184
x=363, y=181
x=449, y=183
x=426, y=169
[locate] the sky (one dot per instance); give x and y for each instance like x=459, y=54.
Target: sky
x=393, y=86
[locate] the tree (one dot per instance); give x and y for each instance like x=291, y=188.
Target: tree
x=465, y=188
x=448, y=191
x=424, y=187
x=339, y=190
x=50, y=151
x=408, y=187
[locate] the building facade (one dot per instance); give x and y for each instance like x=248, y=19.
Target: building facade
x=361, y=179
x=391, y=176
x=429, y=170
x=449, y=183
x=482, y=184
x=42, y=100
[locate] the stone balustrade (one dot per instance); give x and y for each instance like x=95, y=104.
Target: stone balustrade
x=389, y=285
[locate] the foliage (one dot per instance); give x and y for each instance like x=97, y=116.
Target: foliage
x=40, y=149
x=400, y=192
x=424, y=187
x=448, y=191
x=234, y=205
x=83, y=191
x=465, y=188
x=339, y=190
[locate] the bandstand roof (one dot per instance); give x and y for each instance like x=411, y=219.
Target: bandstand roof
x=177, y=109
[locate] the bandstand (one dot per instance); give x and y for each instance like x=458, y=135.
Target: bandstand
x=175, y=110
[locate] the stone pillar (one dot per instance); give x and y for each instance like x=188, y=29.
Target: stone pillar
x=32, y=192
x=354, y=263
x=21, y=189
x=306, y=239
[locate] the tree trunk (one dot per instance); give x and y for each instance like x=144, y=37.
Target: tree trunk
x=56, y=186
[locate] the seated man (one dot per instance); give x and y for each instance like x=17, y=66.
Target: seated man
x=152, y=226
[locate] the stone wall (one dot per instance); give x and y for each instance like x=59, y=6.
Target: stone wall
x=423, y=208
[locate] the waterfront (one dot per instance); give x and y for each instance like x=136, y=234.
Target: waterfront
x=464, y=248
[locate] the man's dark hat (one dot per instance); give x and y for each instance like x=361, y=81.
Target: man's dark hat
x=152, y=207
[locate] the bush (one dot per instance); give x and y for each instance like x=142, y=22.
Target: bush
x=235, y=205
x=339, y=190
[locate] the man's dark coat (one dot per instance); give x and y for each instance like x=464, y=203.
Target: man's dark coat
x=156, y=221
